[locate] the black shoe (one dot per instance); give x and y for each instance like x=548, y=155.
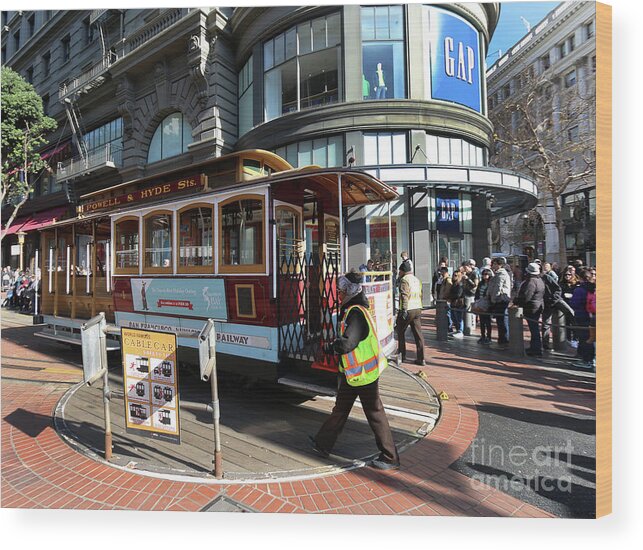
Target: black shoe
x=383, y=465
x=533, y=353
x=503, y=342
x=316, y=448
x=420, y=362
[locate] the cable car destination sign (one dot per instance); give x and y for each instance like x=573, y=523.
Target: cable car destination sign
x=191, y=183
x=150, y=374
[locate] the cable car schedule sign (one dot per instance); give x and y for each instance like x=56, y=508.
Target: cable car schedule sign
x=150, y=374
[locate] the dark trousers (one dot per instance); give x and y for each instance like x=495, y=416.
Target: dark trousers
x=369, y=396
x=414, y=320
x=586, y=349
x=499, y=311
x=535, y=344
x=546, y=331
x=485, y=325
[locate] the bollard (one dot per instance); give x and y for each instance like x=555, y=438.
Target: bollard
x=559, y=332
x=516, y=330
x=469, y=318
x=442, y=321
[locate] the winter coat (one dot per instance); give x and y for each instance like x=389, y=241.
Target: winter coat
x=445, y=288
x=499, y=287
x=579, y=301
x=531, y=296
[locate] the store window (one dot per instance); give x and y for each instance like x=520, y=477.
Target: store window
x=157, y=231
x=126, y=246
x=246, y=114
x=171, y=138
x=324, y=152
x=241, y=234
x=383, y=63
x=196, y=239
x=385, y=148
x=302, y=67
x=453, y=151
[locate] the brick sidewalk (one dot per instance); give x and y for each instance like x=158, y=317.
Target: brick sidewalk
x=39, y=470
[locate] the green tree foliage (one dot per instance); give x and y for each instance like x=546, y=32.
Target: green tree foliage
x=24, y=126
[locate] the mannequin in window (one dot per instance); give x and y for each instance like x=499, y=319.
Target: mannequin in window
x=380, y=83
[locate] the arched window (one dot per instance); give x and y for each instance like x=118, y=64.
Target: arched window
x=171, y=138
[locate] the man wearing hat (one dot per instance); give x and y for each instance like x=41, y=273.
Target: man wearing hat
x=531, y=297
x=360, y=366
x=410, y=312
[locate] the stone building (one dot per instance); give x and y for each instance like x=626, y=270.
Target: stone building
x=556, y=63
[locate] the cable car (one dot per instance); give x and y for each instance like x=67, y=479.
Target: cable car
x=243, y=239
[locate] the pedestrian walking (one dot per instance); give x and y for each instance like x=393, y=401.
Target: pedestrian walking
x=360, y=366
x=406, y=260
x=499, y=293
x=410, y=314
x=531, y=299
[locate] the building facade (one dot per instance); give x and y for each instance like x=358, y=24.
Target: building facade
x=398, y=91
x=555, y=62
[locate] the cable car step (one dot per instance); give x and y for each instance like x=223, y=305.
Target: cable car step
x=306, y=386
x=58, y=337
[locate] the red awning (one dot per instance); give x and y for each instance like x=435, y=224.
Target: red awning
x=37, y=220
x=43, y=219
x=17, y=225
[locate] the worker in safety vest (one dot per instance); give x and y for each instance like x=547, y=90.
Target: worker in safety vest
x=360, y=366
x=410, y=312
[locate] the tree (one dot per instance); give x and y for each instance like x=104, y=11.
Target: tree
x=24, y=126
x=551, y=136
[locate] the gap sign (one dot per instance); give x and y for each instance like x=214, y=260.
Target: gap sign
x=455, y=59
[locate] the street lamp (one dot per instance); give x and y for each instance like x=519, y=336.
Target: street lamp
x=21, y=242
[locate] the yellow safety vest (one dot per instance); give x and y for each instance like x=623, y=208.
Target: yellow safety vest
x=363, y=365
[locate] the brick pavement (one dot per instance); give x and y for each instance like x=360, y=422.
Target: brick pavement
x=39, y=470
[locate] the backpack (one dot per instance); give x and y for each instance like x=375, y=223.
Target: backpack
x=553, y=292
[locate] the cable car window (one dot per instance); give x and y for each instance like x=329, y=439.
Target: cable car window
x=288, y=232
x=127, y=245
x=158, y=242
x=196, y=238
x=242, y=233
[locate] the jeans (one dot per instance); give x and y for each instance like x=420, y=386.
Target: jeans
x=485, y=325
x=502, y=321
x=546, y=330
x=380, y=92
x=457, y=316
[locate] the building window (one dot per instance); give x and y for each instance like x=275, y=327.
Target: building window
x=506, y=91
x=157, y=231
x=590, y=29
x=324, y=152
x=171, y=138
x=65, y=44
x=88, y=30
x=385, y=148
x=302, y=67
x=570, y=78
x=31, y=25
x=453, y=151
x=383, y=64
x=593, y=63
x=196, y=239
x=46, y=63
x=246, y=113
x=562, y=52
x=126, y=246
x=572, y=134
x=16, y=41
x=4, y=54
x=545, y=63
x=108, y=134
x=29, y=75
x=45, y=104
x=571, y=43
x=241, y=234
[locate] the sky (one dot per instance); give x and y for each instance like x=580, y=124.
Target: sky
x=511, y=28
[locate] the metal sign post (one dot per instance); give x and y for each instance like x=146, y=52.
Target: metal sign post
x=208, y=367
x=94, y=349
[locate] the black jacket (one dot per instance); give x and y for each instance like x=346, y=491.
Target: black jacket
x=531, y=296
x=356, y=326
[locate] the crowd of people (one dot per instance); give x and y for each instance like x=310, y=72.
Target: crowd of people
x=21, y=288
x=541, y=289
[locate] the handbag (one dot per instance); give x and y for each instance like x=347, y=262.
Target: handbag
x=481, y=305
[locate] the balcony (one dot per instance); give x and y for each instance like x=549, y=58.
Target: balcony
x=103, y=158
x=88, y=80
x=163, y=21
